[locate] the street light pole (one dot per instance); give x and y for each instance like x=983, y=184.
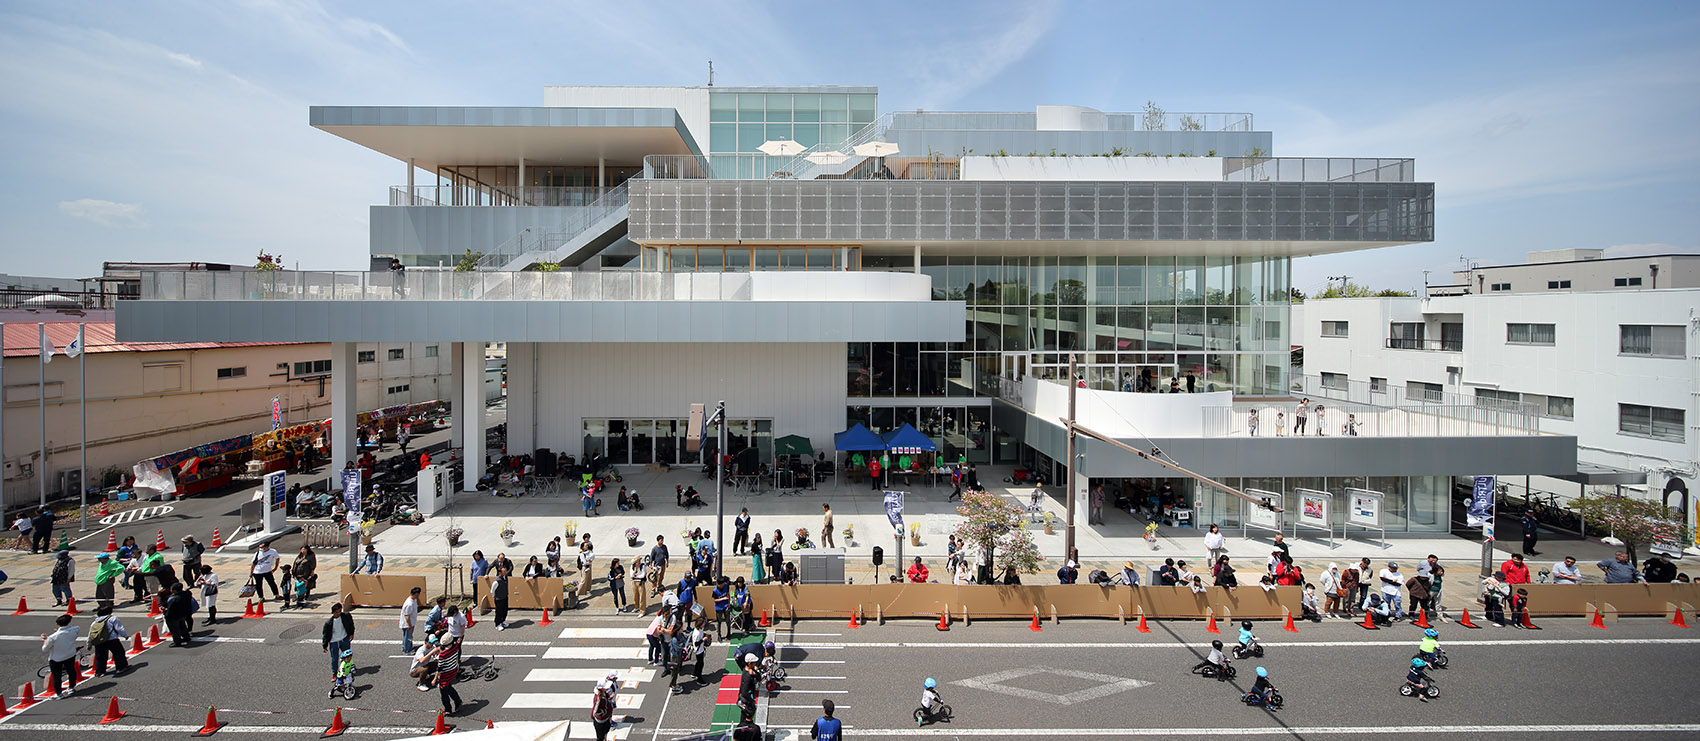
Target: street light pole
x=719, y=491
x=1068, y=531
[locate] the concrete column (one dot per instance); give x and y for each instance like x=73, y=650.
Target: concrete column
x=522, y=397
x=345, y=384
x=410, y=181
x=471, y=417
x=917, y=259
x=457, y=385
x=601, y=172
x=522, y=181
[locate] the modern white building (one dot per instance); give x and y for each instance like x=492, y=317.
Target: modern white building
x=817, y=265
x=1617, y=369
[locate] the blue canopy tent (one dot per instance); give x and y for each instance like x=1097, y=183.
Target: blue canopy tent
x=856, y=439
x=906, y=441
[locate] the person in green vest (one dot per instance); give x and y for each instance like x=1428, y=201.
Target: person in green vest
x=107, y=569
x=150, y=567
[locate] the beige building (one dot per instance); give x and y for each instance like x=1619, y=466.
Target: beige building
x=149, y=399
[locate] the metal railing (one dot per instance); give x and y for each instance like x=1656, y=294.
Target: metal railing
x=804, y=168
x=460, y=195
x=1114, y=121
x=1318, y=169
x=30, y=298
x=1418, y=343
x=1349, y=419
x=541, y=243
x=1396, y=395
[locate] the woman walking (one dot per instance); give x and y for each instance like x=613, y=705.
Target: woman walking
x=617, y=584
x=1216, y=543
x=208, y=582
x=757, y=573
x=305, y=566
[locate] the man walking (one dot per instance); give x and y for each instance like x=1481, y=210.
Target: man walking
x=265, y=562
x=180, y=615
x=192, y=551
x=658, y=563
x=1095, y=515
x=826, y=526
x=409, y=618
x=1531, y=533
x=827, y=728
x=41, y=532
x=106, y=637
x=337, y=634
x=741, y=531
x=61, y=649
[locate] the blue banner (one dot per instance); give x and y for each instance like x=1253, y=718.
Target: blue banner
x=351, y=494
x=1481, y=502
x=894, y=508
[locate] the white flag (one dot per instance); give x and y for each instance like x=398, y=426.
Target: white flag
x=46, y=349
x=76, y=347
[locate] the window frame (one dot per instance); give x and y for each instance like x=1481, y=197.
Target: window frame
x=1653, y=341
x=1339, y=327
x=363, y=357
x=1431, y=392
x=1530, y=333
x=397, y=353
x=235, y=371
x=1651, y=431
x=1569, y=401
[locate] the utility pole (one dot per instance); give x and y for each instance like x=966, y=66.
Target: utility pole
x=1068, y=530
x=720, y=490
x=711, y=73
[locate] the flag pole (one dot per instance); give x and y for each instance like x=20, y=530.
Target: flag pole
x=83, y=411
x=41, y=398
x=3, y=501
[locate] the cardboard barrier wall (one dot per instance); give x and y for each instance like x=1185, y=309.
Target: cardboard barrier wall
x=378, y=590
x=1072, y=600
x=525, y=594
x=1558, y=600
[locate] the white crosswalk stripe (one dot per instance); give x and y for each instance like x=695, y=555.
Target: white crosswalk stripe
x=564, y=675
x=595, y=652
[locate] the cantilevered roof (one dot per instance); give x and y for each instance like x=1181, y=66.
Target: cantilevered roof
x=434, y=136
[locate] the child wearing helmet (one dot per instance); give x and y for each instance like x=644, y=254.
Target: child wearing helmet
x=1416, y=678
x=344, y=672
x=1430, y=642
x=1248, y=641
x=1216, y=659
x=930, y=699
x=1262, y=687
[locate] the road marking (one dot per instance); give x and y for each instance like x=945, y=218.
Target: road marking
x=1108, y=684
x=595, y=652
x=565, y=701
x=811, y=661
x=136, y=514
x=1287, y=644
x=1294, y=731
x=799, y=676
x=838, y=706
x=402, y=731
x=608, y=633
x=583, y=674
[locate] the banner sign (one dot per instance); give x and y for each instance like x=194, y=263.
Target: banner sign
x=1481, y=502
x=1365, y=510
x=1314, y=509
x=275, y=491
x=894, y=508
x=277, y=412
x=351, y=494
x=1259, y=517
x=210, y=450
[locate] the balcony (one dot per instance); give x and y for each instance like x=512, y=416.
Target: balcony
x=1418, y=343
x=465, y=195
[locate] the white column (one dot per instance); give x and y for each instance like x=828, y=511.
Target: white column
x=471, y=417
x=345, y=409
x=601, y=172
x=522, y=397
x=917, y=259
x=522, y=181
x=456, y=386
x=410, y=201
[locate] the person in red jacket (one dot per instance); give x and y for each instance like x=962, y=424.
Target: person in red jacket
x=1515, y=571
x=918, y=573
x=874, y=472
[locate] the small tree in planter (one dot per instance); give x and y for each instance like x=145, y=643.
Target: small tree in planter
x=993, y=525
x=632, y=536
x=1636, y=522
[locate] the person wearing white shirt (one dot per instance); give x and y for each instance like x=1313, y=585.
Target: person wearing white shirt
x=61, y=649
x=1331, y=587
x=1565, y=572
x=964, y=574
x=1216, y=543
x=265, y=560
x=1390, y=581
x=1183, y=577
x=409, y=619
x=456, y=622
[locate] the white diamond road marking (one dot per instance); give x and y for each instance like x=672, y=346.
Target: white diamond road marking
x=993, y=683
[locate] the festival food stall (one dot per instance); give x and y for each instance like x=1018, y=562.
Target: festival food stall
x=207, y=467
x=907, y=451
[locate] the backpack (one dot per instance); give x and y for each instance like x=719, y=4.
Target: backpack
x=602, y=709
x=99, y=633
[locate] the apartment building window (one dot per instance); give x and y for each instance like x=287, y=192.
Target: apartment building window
x=1530, y=334
x=1496, y=399
x=237, y=372
x=430, y=351
x=366, y=356
x=1405, y=335
x=1334, y=329
x=1655, y=422
x=397, y=353
x=1626, y=282
x=312, y=367
x=1422, y=391
x=402, y=389
x=1377, y=385
x=1335, y=381
x=1553, y=285
x=1561, y=407
x=1656, y=341
x=1499, y=286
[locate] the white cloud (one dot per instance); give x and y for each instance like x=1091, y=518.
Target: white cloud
x=183, y=59
x=105, y=213
x=946, y=69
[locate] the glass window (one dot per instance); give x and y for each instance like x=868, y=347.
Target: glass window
x=737, y=259
x=883, y=420
x=722, y=107
x=750, y=107
x=834, y=134
x=1012, y=288
x=1653, y=341
x=835, y=108
x=680, y=428
x=806, y=107
x=1041, y=283
x=1429, y=504
x=366, y=356
x=642, y=437
x=1130, y=281
x=822, y=258
x=1530, y=334
x=750, y=137
x=779, y=108
x=1248, y=281
x=807, y=135
x=1069, y=329
x=765, y=258
x=710, y=259
x=1648, y=421
x=884, y=367
x=988, y=277
x=933, y=365
x=1160, y=328
x=1219, y=281
x=1102, y=281
x=862, y=108
x=1071, y=281
x=722, y=137
x=595, y=430
x=778, y=132
x=1160, y=281
x=1189, y=331
x=1561, y=407
x=1334, y=328
x=960, y=278
x=1130, y=328
x=1395, y=509
x=1189, y=280
x=1016, y=329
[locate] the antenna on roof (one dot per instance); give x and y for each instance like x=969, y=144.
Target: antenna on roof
x=711, y=73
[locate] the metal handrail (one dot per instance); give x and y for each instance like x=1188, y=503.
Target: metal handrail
x=535, y=195
x=802, y=168
x=532, y=240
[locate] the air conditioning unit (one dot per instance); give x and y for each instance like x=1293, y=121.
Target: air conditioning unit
x=18, y=468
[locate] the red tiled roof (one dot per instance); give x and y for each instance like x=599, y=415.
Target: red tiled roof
x=21, y=339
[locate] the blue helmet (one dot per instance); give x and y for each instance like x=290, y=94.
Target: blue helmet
x=930, y=683
x=347, y=652
x=1262, y=672
x=1432, y=633
x=1419, y=663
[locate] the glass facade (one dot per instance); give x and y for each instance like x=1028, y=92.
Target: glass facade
x=1411, y=504
x=959, y=430
x=642, y=441
x=740, y=122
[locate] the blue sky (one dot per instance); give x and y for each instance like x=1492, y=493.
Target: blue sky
x=175, y=131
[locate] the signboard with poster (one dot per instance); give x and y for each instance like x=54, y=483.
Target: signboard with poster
x=1315, y=511
x=1363, y=511
x=1253, y=515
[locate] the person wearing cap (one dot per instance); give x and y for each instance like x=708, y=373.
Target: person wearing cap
x=1391, y=579
x=424, y=664
x=602, y=705
x=918, y=572
x=826, y=728
x=107, y=570
x=1069, y=573
x=192, y=551
x=1332, y=590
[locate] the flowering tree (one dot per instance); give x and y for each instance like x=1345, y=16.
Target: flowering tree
x=268, y=262
x=1636, y=522
x=993, y=524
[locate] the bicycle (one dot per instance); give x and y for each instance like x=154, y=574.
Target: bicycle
x=84, y=657
x=485, y=670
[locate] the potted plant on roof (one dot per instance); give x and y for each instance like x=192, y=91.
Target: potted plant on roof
x=915, y=533
x=632, y=536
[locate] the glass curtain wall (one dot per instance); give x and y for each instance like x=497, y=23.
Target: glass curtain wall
x=740, y=122
x=1411, y=504
x=641, y=441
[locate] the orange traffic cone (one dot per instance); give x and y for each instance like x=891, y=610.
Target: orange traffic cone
x=1599, y=620
x=76, y=671
x=112, y=541
x=1143, y=628
x=71, y=607
x=854, y=623
x=159, y=542
x=153, y=635
x=259, y=609
x=337, y=726
x=469, y=620
x=112, y=712
x=136, y=646
x=545, y=620
x=764, y=622
x=1289, y=626
x=216, y=542
x=1680, y=620
x=1035, y=626
x=1465, y=621
x=441, y=728
x=489, y=723
x=23, y=607
x=1211, y=626
x=1369, y=621
x=248, y=610
x=3, y=712
x=26, y=696
x=212, y=725
x=153, y=609
x=1422, y=619
x=1526, y=624
x=944, y=621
